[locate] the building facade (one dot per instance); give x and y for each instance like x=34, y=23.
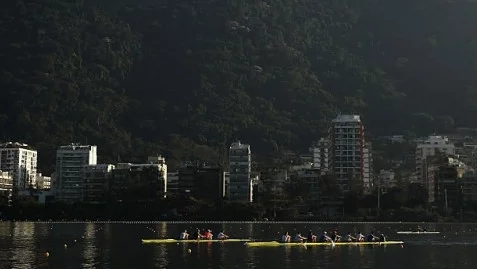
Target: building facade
x=6, y=185
x=240, y=187
x=368, y=168
x=429, y=147
x=71, y=161
x=387, y=180
x=139, y=182
x=348, y=150
x=322, y=154
x=43, y=182
x=96, y=182
x=172, y=184
x=20, y=160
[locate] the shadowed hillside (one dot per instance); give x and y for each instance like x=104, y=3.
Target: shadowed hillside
x=185, y=78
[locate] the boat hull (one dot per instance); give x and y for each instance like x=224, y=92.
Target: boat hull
x=165, y=241
x=278, y=244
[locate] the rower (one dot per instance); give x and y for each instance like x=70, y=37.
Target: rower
x=371, y=237
x=311, y=237
x=334, y=236
x=381, y=237
x=286, y=238
x=419, y=229
x=184, y=235
x=360, y=237
x=350, y=238
x=208, y=235
x=299, y=238
x=325, y=238
x=197, y=235
x=222, y=236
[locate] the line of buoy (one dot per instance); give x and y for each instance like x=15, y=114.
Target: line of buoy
x=65, y=245
x=232, y=222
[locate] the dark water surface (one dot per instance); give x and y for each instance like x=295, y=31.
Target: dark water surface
x=118, y=246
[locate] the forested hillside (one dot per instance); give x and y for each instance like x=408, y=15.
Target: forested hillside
x=186, y=77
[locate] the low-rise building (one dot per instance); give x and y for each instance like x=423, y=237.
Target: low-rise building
x=96, y=182
x=139, y=182
x=6, y=184
x=43, y=182
x=387, y=180
x=201, y=181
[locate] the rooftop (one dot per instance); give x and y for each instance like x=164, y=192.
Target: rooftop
x=239, y=145
x=347, y=118
x=15, y=145
x=76, y=146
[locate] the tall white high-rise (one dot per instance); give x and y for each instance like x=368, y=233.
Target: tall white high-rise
x=70, y=164
x=20, y=160
x=240, y=187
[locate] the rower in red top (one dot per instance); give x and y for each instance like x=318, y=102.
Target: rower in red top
x=208, y=235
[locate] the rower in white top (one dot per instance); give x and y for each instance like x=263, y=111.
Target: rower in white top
x=350, y=238
x=286, y=238
x=184, y=235
x=222, y=236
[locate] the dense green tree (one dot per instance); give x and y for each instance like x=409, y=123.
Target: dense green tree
x=185, y=78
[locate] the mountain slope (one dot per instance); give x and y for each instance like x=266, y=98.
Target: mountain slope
x=185, y=78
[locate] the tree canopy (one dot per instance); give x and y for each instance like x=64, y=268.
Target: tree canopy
x=185, y=78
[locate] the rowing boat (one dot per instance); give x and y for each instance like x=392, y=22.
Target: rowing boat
x=411, y=232
x=278, y=244
x=163, y=241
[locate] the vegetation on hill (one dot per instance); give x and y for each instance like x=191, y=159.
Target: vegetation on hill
x=185, y=78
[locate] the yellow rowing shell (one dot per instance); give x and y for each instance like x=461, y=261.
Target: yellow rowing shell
x=278, y=244
x=163, y=241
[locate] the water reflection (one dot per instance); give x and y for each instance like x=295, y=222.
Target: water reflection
x=162, y=230
x=90, y=250
x=248, y=229
x=160, y=251
x=23, y=245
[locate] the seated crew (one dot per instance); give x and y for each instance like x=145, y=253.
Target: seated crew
x=311, y=237
x=184, y=235
x=197, y=235
x=372, y=238
x=286, y=238
x=360, y=237
x=222, y=236
x=325, y=238
x=349, y=238
x=335, y=236
x=381, y=237
x=208, y=235
x=298, y=238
